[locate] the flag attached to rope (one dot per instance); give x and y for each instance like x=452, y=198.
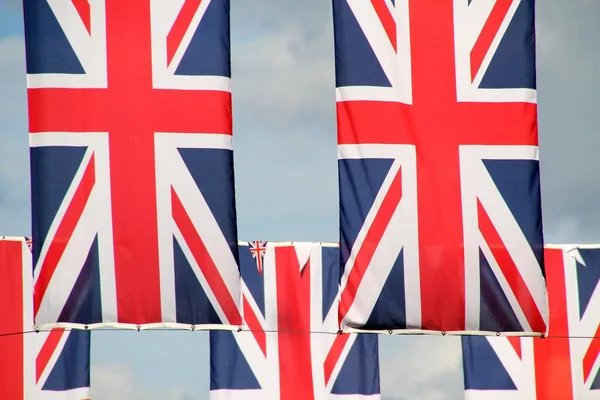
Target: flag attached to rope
x=35, y=366
x=131, y=162
x=440, y=213
x=566, y=364
x=293, y=292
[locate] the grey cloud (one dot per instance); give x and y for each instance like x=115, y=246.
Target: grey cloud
x=283, y=81
x=14, y=159
x=14, y=3
x=568, y=61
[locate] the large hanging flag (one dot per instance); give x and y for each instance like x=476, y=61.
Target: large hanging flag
x=131, y=161
x=566, y=364
x=288, y=291
x=35, y=366
x=440, y=213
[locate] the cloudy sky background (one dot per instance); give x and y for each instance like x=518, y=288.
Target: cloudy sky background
x=284, y=124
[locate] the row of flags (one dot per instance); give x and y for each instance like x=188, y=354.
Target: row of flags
x=133, y=203
x=289, y=348
x=133, y=194
x=44, y=365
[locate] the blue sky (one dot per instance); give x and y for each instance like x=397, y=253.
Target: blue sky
x=284, y=134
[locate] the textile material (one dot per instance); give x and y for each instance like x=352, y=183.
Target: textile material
x=555, y=367
x=35, y=366
x=289, y=290
x=131, y=162
x=440, y=213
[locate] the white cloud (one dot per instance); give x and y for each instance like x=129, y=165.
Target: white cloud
x=283, y=81
x=12, y=82
x=118, y=382
x=421, y=368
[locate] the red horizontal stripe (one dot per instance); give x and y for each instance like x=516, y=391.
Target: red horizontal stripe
x=102, y=110
x=395, y=123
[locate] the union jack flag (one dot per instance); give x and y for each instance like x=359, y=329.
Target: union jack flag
x=564, y=366
x=440, y=213
x=257, y=249
x=277, y=358
x=35, y=366
x=132, y=171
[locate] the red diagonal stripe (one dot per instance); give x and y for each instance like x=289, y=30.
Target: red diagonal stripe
x=515, y=342
x=205, y=261
x=83, y=9
x=510, y=271
x=334, y=355
x=48, y=348
x=487, y=35
x=387, y=20
x=180, y=27
x=591, y=355
x=370, y=244
x=64, y=232
x=255, y=326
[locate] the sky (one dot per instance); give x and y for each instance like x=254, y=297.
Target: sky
x=286, y=175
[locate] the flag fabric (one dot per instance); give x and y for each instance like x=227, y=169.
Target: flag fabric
x=566, y=364
x=35, y=366
x=294, y=292
x=131, y=162
x=440, y=213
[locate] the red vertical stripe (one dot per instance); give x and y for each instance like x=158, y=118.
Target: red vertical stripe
x=367, y=250
x=510, y=271
x=436, y=128
x=64, y=232
x=132, y=161
x=83, y=8
x=293, y=321
x=180, y=27
x=487, y=35
x=11, y=320
x=552, y=356
x=553, y=377
x=46, y=352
